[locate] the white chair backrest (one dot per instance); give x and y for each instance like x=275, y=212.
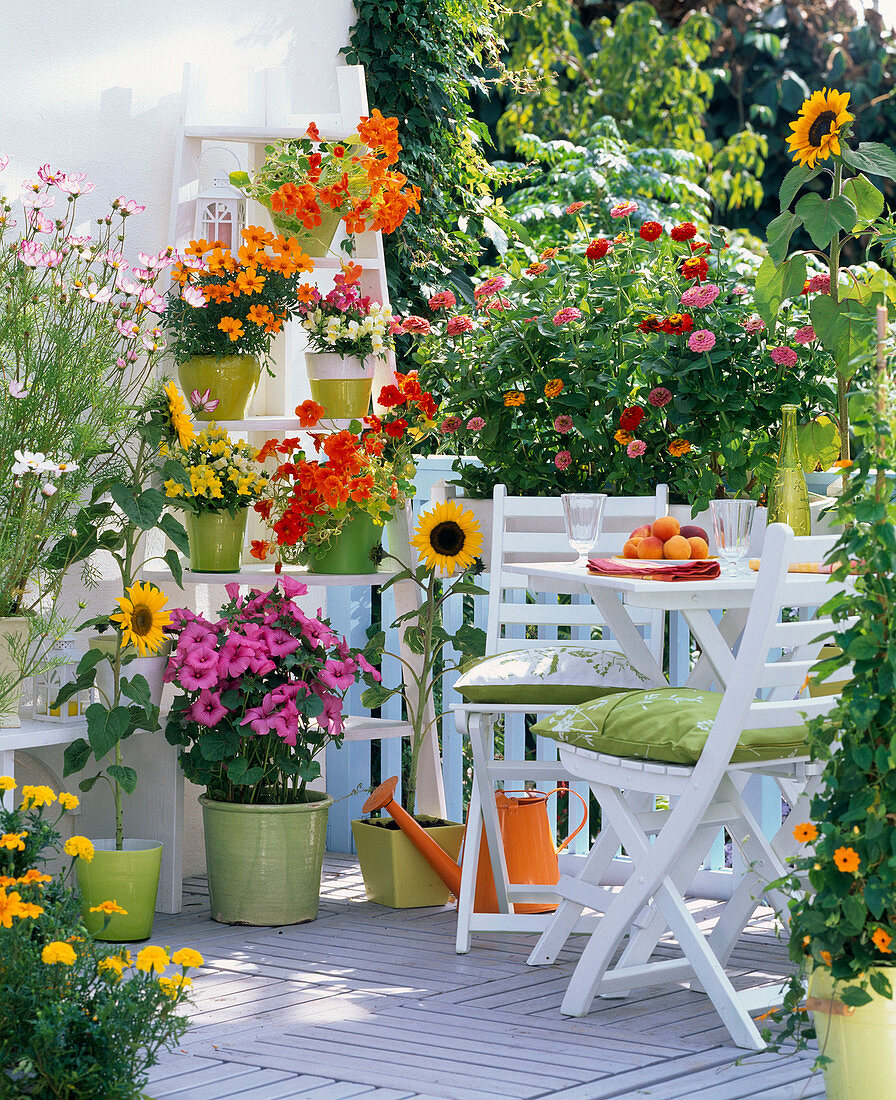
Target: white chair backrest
x=526, y=529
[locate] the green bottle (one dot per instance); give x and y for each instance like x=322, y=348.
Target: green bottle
x=788, y=496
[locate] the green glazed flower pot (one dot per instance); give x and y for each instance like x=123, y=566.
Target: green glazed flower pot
x=341, y=384
x=264, y=862
x=317, y=241
x=216, y=540
x=129, y=877
x=395, y=873
x=350, y=551
x=232, y=379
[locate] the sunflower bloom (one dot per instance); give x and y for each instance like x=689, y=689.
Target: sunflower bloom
x=180, y=418
x=805, y=833
x=816, y=132
x=447, y=537
x=847, y=859
x=141, y=619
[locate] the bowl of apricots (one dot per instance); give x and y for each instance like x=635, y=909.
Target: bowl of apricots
x=667, y=541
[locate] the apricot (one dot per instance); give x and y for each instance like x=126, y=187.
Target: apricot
x=699, y=548
x=666, y=527
x=677, y=548
x=640, y=532
x=630, y=550
x=650, y=548
x=692, y=531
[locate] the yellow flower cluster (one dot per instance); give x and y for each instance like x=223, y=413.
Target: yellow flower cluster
x=37, y=796
x=58, y=952
x=79, y=847
x=11, y=905
x=215, y=463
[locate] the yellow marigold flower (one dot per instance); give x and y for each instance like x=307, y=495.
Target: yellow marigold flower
x=109, y=908
x=58, y=952
x=514, y=397
x=33, y=877
x=69, y=801
x=805, y=833
x=10, y=904
x=622, y=437
x=176, y=982
x=79, y=847
x=7, y=783
x=553, y=387
x=7, y=880
x=37, y=796
x=152, y=958
x=173, y=488
x=26, y=909
x=112, y=963
x=15, y=842
x=678, y=447
x=847, y=859
x=186, y=956
x=882, y=940
x=826, y=957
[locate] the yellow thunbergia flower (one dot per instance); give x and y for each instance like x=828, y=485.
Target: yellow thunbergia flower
x=152, y=958
x=186, y=956
x=58, y=952
x=79, y=847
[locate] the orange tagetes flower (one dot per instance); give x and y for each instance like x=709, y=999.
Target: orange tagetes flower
x=805, y=833
x=232, y=327
x=678, y=447
x=554, y=387
x=847, y=859
x=256, y=237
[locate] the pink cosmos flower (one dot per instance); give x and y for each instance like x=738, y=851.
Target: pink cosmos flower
x=76, y=184
x=820, y=284
x=127, y=206
x=98, y=294
x=475, y=424
x=156, y=303
x=564, y=316
x=203, y=402
x=562, y=460
x=701, y=340
x=490, y=287
x=17, y=390
x=459, y=325
x=563, y=423
x=636, y=448
x=659, y=397
x=804, y=335
x=130, y=329
x=193, y=296
x=784, y=356
x=40, y=223
x=753, y=324
x=443, y=300
x=700, y=296
x=450, y=424
x=623, y=209
x=4, y=161
x=208, y=710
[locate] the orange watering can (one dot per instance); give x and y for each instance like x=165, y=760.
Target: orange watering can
x=529, y=849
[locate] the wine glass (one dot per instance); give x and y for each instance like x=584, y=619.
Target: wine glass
x=732, y=521
x=582, y=513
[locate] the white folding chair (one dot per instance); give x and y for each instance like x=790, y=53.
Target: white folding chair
x=762, y=691
x=528, y=529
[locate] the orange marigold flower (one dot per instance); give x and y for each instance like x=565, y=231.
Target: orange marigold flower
x=805, y=833
x=514, y=397
x=882, y=940
x=678, y=447
x=309, y=412
x=623, y=437
x=847, y=859
x=553, y=387
x=232, y=327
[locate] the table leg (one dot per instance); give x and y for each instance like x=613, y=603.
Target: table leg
x=626, y=633
x=729, y=630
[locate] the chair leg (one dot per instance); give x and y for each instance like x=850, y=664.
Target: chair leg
x=481, y=731
x=469, y=867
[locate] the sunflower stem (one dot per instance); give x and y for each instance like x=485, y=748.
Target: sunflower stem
x=834, y=272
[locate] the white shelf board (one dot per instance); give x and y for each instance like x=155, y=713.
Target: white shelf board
x=36, y=732
x=374, y=729
x=255, y=574
x=277, y=424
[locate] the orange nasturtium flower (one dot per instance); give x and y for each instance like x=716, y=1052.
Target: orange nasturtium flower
x=882, y=940
x=826, y=957
x=805, y=833
x=847, y=859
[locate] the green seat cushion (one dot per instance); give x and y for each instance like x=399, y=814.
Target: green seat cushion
x=667, y=724
x=549, y=675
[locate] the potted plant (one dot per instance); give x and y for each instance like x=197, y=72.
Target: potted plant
x=347, y=332
x=260, y=697
x=329, y=511
x=308, y=184
x=223, y=312
x=214, y=479
x=447, y=539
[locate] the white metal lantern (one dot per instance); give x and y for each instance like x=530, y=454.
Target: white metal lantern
x=47, y=685
x=220, y=213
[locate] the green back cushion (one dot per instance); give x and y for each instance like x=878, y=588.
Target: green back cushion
x=550, y=675
x=668, y=724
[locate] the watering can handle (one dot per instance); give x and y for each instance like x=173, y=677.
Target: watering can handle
x=568, y=790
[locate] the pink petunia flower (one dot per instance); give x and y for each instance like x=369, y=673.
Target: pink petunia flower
x=564, y=316
x=563, y=424
x=208, y=710
x=562, y=460
x=784, y=356
x=458, y=325
x=443, y=300
x=804, y=335
x=701, y=340
x=636, y=448
x=623, y=209
x=475, y=424
x=659, y=397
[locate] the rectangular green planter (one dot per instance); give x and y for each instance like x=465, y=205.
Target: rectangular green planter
x=395, y=873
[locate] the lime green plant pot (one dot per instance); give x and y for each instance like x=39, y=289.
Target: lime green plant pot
x=350, y=551
x=130, y=878
x=264, y=862
x=395, y=873
x=230, y=379
x=342, y=385
x=216, y=540
x=860, y=1042
x=317, y=241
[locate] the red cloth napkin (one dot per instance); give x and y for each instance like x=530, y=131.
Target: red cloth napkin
x=683, y=571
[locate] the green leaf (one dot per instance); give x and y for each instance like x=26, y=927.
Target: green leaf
x=880, y=983
x=175, y=531
x=819, y=443
x=136, y=688
x=866, y=198
x=871, y=157
x=239, y=179
x=143, y=510
x=105, y=728
x=845, y=328
x=853, y=995
x=775, y=284
x=88, y=784
x=824, y=218
x=125, y=777
x=172, y=559
x=793, y=181
x=89, y=661
x=375, y=696
x=780, y=231
x=470, y=640
x=75, y=757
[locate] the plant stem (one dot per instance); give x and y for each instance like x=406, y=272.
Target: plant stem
x=834, y=271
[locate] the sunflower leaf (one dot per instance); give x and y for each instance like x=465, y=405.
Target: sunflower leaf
x=871, y=157
x=793, y=181
x=823, y=218
x=105, y=728
x=172, y=559
x=175, y=531
x=124, y=776
x=143, y=510
x=779, y=233
x=866, y=198
x=76, y=756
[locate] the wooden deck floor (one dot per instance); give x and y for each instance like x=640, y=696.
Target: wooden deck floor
x=370, y=1002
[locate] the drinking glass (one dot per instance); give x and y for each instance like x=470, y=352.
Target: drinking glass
x=582, y=513
x=732, y=521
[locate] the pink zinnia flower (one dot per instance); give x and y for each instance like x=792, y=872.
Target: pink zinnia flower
x=563, y=424
x=450, y=424
x=459, y=325
x=753, y=324
x=415, y=324
x=443, y=300
x=475, y=424
x=700, y=296
x=562, y=460
x=739, y=291
x=659, y=397
x=574, y=207
x=564, y=316
x=783, y=356
x=636, y=448
x=490, y=287
x=701, y=340
x=623, y=209
x=820, y=284
x=804, y=335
